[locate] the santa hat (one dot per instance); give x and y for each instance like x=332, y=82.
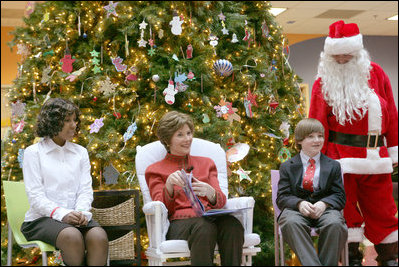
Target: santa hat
x=343, y=39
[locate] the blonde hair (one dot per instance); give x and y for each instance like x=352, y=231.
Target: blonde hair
x=306, y=127
x=170, y=123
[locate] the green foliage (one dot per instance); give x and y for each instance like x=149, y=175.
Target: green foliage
x=260, y=66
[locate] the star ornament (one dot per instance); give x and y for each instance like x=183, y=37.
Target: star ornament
x=111, y=9
x=244, y=175
x=221, y=16
x=143, y=25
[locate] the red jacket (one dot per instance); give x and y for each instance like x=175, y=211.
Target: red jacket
x=360, y=160
x=179, y=207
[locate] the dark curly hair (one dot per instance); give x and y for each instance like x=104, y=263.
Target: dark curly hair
x=52, y=116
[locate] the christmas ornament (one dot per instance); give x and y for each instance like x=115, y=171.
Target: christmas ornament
x=272, y=135
x=179, y=79
x=46, y=75
x=223, y=67
x=234, y=39
x=155, y=77
x=19, y=127
x=190, y=76
x=131, y=74
x=226, y=110
x=75, y=74
x=213, y=40
x=284, y=128
x=96, y=125
x=160, y=34
x=230, y=143
x=111, y=9
x=117, y=115
x=221, y=16
x=244, y=175
x=118, y=64
x=107, y=87
x=111, y=174
x=169, y=93
x=189, y=51
x=250, y=100
x=130, y=132
x=46, y=17
x=143, y=25
x=23, y=50
x=29, y=8
x=284, y=154
x=96, y=69
x=17, y=109
x=273, y=104
x=176, y=24
x=265, y=30
x=175, y=57
x=205, y=118
x=67, y=62
x=237, y=152
x=21, y=157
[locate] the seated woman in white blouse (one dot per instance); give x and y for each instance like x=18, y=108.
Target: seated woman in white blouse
x=59, y=188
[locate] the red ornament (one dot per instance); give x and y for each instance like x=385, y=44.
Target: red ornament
x=286, y=141
x=117, y=115
x=95, y=99
x=273, y=105
x=67, y=63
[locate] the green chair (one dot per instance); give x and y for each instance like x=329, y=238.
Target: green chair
x=17, y=205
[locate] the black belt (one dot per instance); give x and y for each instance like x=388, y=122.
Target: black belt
x=372, y=140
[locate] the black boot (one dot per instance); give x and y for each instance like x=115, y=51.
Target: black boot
x=387, y=254
x=355, y=256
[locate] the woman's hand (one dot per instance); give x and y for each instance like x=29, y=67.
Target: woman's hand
x=174, y=179
x=203, y=189
x=75, y=218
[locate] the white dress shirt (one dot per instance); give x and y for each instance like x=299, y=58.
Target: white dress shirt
x=305, y=162
x=57, y=180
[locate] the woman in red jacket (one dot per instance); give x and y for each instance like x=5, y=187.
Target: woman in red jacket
x=165, y=182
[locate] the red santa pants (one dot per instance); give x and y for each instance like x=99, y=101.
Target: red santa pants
x=377, y=210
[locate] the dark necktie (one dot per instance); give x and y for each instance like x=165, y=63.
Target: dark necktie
x=309, y=174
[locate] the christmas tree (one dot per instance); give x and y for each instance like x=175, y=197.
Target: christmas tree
x=127, y=63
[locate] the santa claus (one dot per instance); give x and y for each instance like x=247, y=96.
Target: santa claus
x=353, y=99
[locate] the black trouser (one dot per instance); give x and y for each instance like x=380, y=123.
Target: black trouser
x=202, y=234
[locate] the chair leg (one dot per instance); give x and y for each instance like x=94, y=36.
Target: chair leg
x=9, y=247
x=44, y=258
x=282, y=260
x=108, y=260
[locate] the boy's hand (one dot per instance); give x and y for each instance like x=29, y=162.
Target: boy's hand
x=319, y=208
x=306, y=208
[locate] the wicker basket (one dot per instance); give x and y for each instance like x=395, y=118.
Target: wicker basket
x=122, y=248
x=121, y=214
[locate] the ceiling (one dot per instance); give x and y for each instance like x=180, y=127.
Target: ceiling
x=301, y=17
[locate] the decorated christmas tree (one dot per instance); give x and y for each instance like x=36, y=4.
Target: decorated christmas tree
x=127, y=63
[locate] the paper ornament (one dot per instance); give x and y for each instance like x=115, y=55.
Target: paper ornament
x=130, y=132
x=111, y=9
x=29, y=8
x=143, y=25
x=96, y=125
x=205, y=118
x=21, y=157
x=225, y=110
x=284, y=128
x=190, y=76
x=249, y=101
x=234, y=39
x=176, y=25
x=237, y=152
x=75, y=74
x=273, y=104
x=213, y=40
x=169, y=93
x=23, y=50
x=117, y=61
x=244, y=175
x=160, y=34
x=265, y=30
x=221, y=16
x=175, y=57
x=19, y=127
x=131, y=74
x=189, y=51
x=18, y=109
x=225, y=31
x=46, y=75
x=142, y=42
x=107, y=87
x=67, y=63
x=111, y=174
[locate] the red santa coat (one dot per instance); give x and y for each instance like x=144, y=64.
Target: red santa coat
x=382, y=116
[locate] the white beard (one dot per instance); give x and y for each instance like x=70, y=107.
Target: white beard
x=345, y=86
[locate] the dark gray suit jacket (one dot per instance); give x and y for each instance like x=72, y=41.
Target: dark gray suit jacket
x=331, y=189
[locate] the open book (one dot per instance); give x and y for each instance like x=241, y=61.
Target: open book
x=196, y=203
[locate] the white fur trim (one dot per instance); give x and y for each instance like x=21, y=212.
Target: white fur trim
x=367, y=165
x=374, y=113
x=355, y=234
x=393, y=153
x=391, y=238
x=344, y=45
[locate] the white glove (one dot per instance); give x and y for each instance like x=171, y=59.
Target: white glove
x=306, y=208
x=319, y=208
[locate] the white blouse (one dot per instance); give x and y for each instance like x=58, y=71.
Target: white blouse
x=57, y=180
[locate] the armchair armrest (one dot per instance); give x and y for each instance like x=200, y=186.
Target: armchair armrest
x=245, y=216
x=156, y=217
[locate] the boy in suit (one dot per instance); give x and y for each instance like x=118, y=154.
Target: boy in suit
x=311, y=194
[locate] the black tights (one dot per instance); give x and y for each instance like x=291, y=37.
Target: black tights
x=73, y=246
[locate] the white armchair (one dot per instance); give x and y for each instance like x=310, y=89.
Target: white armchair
x=156, y=214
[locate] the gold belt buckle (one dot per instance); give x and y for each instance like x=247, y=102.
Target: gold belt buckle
x=376, y=134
